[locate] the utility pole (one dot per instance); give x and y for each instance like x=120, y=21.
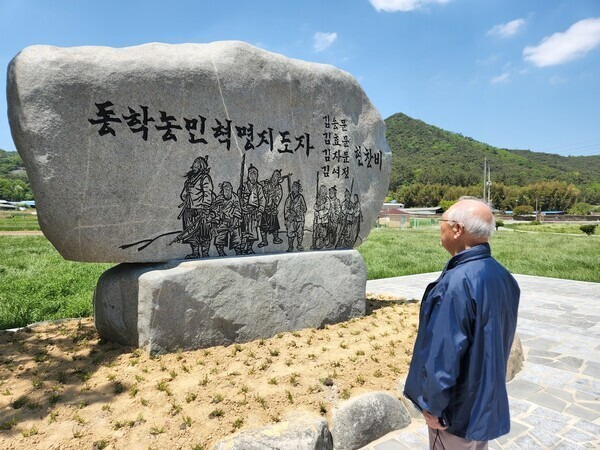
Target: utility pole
x=489, y=186
x=484, y=175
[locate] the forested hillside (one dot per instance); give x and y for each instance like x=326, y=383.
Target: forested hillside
x=426, y=154
x=431, y=166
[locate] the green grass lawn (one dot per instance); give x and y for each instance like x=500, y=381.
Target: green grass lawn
x=392, y=253
x=548, y=228
x=36, y=283
x=18, y=221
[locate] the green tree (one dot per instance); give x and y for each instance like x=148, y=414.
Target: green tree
x=522, y=210
x=14, y=190
x=581, y=209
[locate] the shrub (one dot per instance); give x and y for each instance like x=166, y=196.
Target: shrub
x=535, y=222
x=522, y=210
x=580, y=209
x=588, y=229
x=499, y=223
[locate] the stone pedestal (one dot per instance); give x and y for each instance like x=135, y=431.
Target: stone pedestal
x=203, y=303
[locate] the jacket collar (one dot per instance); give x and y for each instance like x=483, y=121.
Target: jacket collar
x=471, y=254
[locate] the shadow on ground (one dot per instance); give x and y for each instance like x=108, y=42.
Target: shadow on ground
x=43, y=367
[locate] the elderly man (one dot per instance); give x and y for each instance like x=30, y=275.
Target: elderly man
x=466, y=328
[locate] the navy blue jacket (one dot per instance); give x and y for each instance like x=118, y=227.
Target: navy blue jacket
x=467, y=325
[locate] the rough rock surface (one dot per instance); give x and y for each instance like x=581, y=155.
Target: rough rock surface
x=202, y=303
x=365, y=418
x=297, y=431
x=515, y=359
x=138, y=154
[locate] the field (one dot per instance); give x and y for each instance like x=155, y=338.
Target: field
x=563, y=228
x=38, y=284
x=18, y=221
x=390, y=253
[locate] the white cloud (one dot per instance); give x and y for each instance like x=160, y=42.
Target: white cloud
x=509, y=29
x=502, y=78
x=402, y=5
x=576, y=42
x=323, y=40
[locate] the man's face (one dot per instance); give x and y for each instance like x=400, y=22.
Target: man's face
x=253, y=176
x=331, y=193
x=295, y=189
x=447, y=230
x=227, y=192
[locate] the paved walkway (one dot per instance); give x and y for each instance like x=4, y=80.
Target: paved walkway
x=555, y=399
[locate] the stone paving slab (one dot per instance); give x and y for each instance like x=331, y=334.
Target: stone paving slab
x=555, y=399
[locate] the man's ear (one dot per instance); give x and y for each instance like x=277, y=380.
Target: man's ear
x=458, y=230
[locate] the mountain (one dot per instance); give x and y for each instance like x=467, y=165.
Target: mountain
x=423, y=153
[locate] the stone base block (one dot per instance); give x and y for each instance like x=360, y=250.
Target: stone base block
x=203, y=303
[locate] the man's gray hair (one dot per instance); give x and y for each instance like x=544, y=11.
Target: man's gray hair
x=473, y=224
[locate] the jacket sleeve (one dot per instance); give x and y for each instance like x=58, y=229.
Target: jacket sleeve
x=450, y=331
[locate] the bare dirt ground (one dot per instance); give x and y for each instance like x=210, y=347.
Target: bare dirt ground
x=21, y=233
x=63, y=388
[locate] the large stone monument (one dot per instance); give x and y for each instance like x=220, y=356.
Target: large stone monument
x=159, y=153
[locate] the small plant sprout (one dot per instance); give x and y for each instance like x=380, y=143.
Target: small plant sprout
x=29, y=432
x=175, y=409
x=203, y=381
x=216, y=413
x=322, y=408
x=190, y=397
x=217, y=398
x=163, y=386
x=154, y=431
x=187, y=421
x=261, y=401
x=289, y=397
x=274, y=352
x=345, y=393
x=237, y=423
x=360, y=380
x=294, y=379
x=236, y=349
x=273, y=381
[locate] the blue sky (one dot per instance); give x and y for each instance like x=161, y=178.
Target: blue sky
x=512, y=73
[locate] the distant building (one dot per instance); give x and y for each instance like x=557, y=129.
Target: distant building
x=7, y=205
x=392, y=205
x=424, y=211
x=393, y=218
